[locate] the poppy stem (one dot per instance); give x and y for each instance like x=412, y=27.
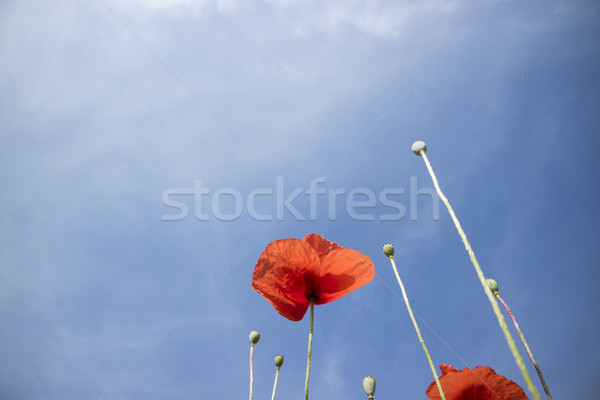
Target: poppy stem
x=310, y=339
x=414, y=321
x=254, y=337
x=537, y=367
x=275, y=384
x=251, y=369
x=488, y=292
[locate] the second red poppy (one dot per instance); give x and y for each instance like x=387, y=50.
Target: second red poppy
x=481, y=383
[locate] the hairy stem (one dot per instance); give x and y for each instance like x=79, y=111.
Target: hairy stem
x=310, y=338
x=535, y=364
x=488, y=292
x=414, y=321
x=275, y=384
x=251, y=369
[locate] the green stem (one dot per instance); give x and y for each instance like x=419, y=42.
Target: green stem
x=535, y=364
x=488, y=292
x=414, y=321
x=251, y=369
x=275, y=384
x=310, y=338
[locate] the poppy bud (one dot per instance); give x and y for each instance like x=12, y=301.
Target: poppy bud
x=492, y=284
x=369, y=385
x=278, y=360
x=388, y=249
x=254, y=337
x=418, y=146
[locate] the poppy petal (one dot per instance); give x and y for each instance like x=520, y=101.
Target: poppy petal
x=446, y=369
x=342, y=271
x=321, y=245
x=285, y=274
x=481, y=383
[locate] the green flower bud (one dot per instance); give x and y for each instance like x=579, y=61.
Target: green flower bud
x=254, y=337
x=369, y=385
x=418, y=146
x=388, y=249
x=492, y=284
x=278, y=360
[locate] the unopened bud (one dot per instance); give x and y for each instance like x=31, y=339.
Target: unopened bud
x=254, y=337
x=278, y=360
x=419, y=146
x=388, y=249
x=369, y=385
x=492, y=284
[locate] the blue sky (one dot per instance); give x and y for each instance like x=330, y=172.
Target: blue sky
x=105, y=106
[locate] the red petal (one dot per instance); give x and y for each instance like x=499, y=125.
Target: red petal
x=446, y=369
x=285, y=274
x=342, y=271
x=321, y=245
x=481, y=383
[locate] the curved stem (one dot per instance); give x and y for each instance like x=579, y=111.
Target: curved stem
x=414, y=321
x=275, y=384
x=537, y=367
x=488, y=292
x=310, y=338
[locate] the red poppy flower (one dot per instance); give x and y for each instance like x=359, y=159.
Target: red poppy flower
x=481, y=383
x=291, y=271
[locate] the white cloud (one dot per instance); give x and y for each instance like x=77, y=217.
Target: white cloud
x=375, y=17
x=179, y=8
x=379, y=18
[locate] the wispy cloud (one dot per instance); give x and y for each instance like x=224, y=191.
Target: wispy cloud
x=180, y=8
x=381, y=18
x=386, y=19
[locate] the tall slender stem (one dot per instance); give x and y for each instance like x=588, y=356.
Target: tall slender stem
x=275, y=384
x=488, y=292
x=251, y=369
x=414, y=321
x=310, y=338
x=535, y=364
